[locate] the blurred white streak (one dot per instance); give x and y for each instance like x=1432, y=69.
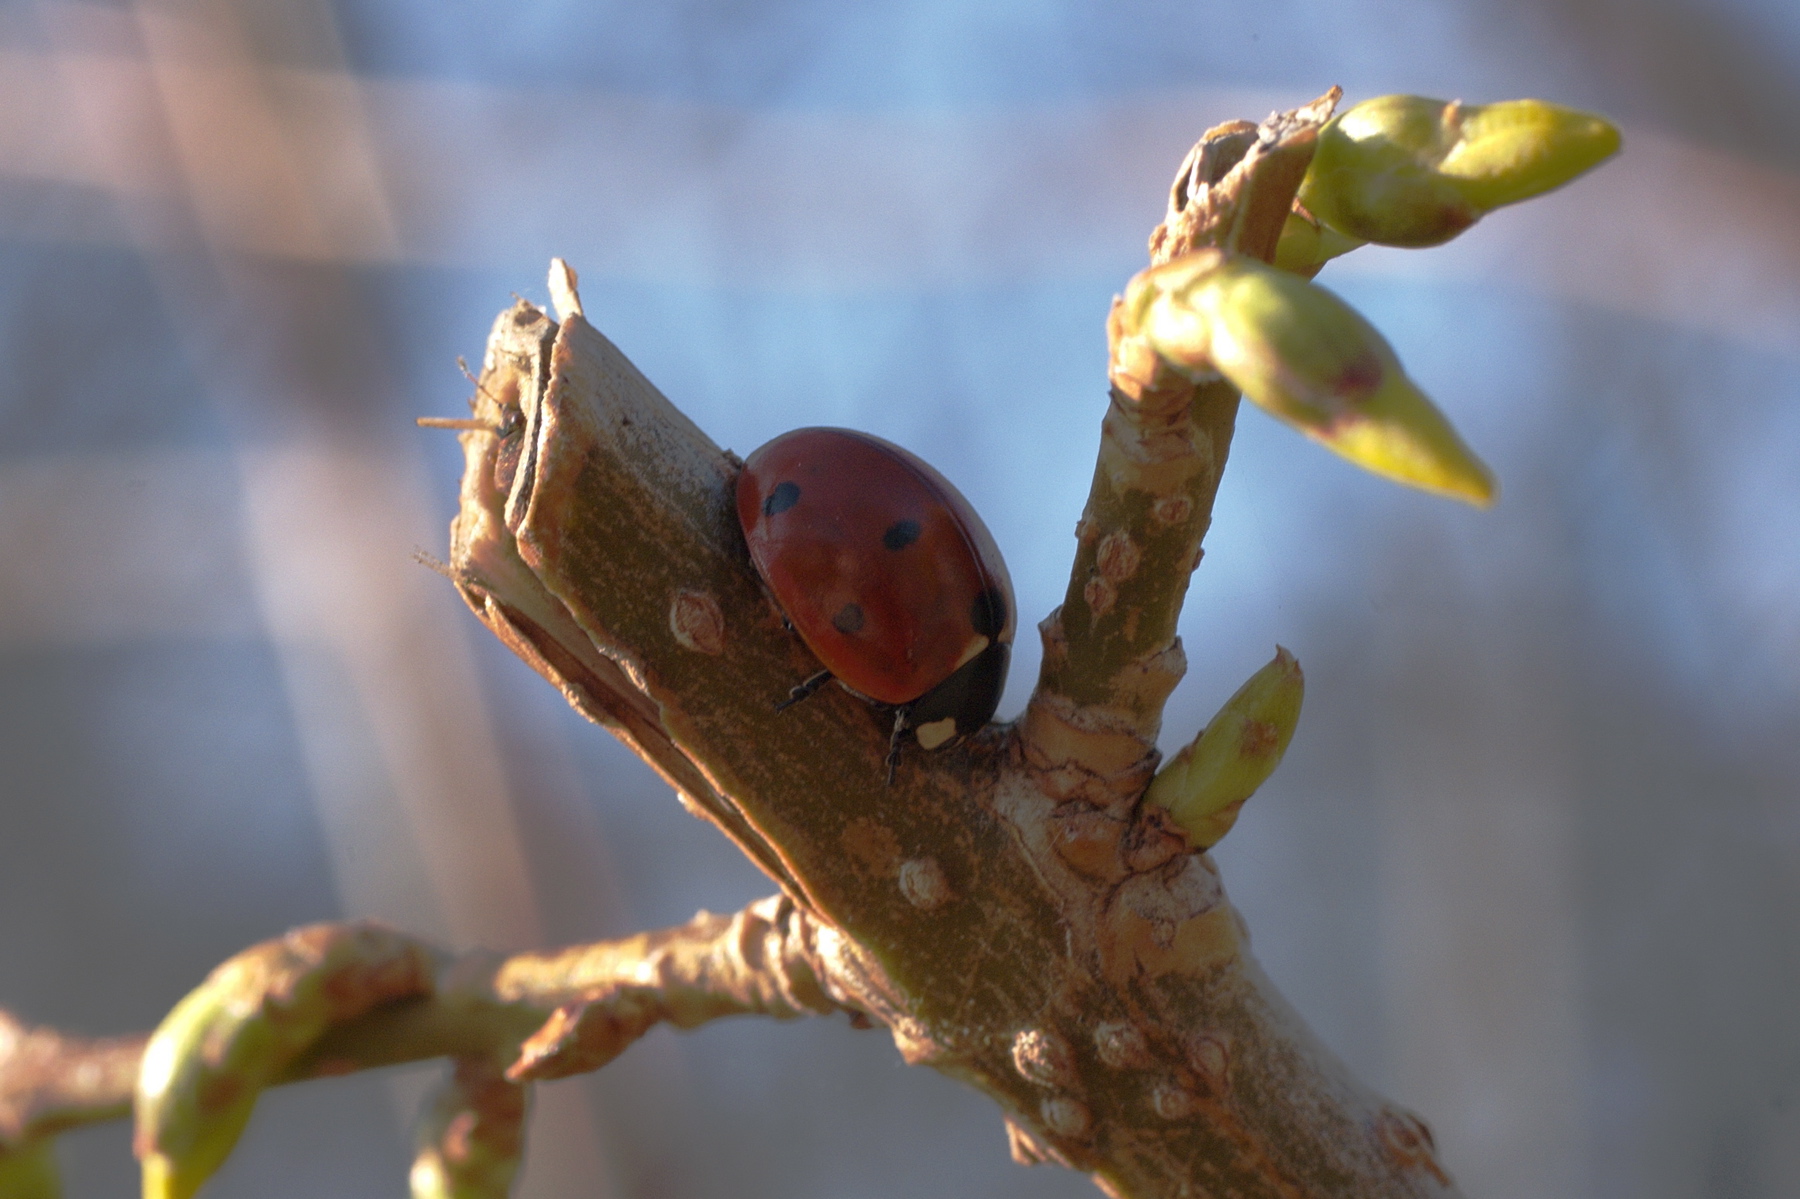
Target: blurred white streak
x=400, y=752
x=1481, y=950
x=43, y=133
x=275, y=163
x=107, y=548
x=216, y=153
x=324, y=527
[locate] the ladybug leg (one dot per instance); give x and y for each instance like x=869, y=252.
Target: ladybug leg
x=893, y=754
x=804, y=689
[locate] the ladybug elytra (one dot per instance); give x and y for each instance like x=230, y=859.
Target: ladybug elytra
x=886, y=573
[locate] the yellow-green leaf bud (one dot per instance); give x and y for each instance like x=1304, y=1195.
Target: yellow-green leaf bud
x=28, y=1171
x=192, y=1104
x=1301, y=354
x=1307, y=244
x=233, y=1035
x=1412, y=171
x=471, y=1137
x=1206, y=784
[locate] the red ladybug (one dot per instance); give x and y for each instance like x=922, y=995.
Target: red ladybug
x=886, y=573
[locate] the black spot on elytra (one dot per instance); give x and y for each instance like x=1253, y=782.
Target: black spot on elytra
x=900, y=534
x=785, y=496
x=988, y=612
x=849, y=619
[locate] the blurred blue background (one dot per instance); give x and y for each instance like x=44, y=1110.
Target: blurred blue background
x=1533, y=864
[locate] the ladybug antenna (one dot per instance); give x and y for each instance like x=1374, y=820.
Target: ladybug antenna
x=893, y=755
x=462, y=364
x=804, y=689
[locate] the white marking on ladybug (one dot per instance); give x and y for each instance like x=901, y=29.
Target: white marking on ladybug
x=932, y=735
x=972, y=651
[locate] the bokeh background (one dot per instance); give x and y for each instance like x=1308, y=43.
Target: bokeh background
x=1533, y=864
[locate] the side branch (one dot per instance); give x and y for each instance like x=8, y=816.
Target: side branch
x=50, y=1083
x=1111, y=655
x=764, y=961
x=546, y=1014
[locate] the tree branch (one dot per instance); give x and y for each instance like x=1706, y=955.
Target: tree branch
x=1011, y=909
x=539, y=1015
x=1111, y=655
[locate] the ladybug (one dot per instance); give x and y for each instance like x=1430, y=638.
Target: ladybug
x=886, y=573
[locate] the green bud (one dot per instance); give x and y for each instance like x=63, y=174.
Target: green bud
x=1307, y=244
x=1206, y=784
x=192, y=1105
x=1305, y=356
x=1411, y=171
x=28, y=1171
x=471, y=1136
x=232, y=1036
